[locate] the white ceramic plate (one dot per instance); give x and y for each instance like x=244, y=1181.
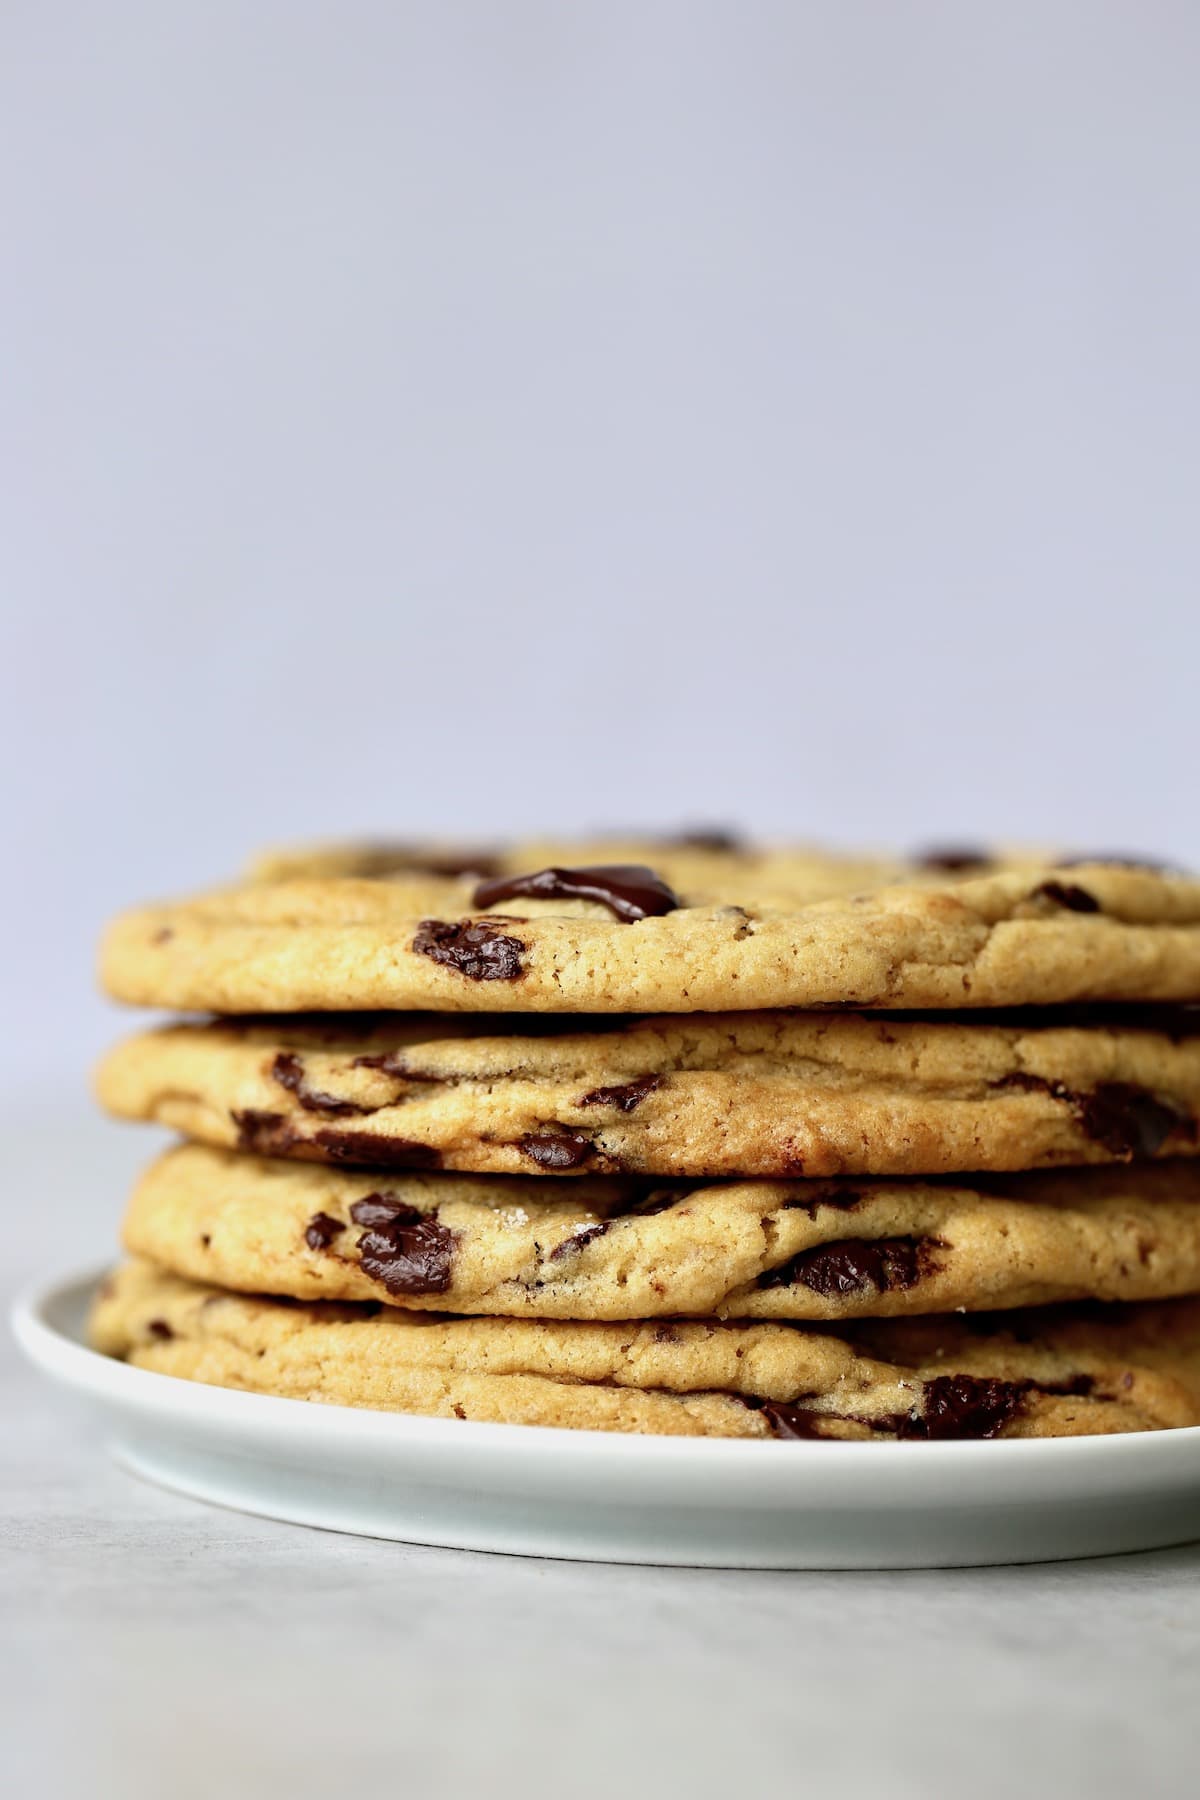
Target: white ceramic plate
x=605, y=1497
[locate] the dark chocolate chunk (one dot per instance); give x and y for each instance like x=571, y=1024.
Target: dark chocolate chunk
x=706, y=837
x=384, y=1209
x=288, y=1071
x=629, y=890
x=557, y=1149
x=343, y=1146
x=396, y=1064
x=624, y=1097
x=854, y=1264
x=265, y=1133
x=159, y=1329
x=582, y=1235
x=953, y=858
x=1130, y=1121
x=1066, y=893
x=408, y=1251
x=788, y=1420
x=837, y=1199
x=321, y=1230
x=478, y=950
x=964, y=1406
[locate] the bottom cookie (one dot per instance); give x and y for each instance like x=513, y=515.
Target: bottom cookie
x=1056, y=1373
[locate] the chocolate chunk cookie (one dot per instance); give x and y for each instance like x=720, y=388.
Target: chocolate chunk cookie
x=1052, y=1375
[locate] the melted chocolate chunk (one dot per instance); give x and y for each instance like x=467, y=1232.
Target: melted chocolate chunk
x=1129, y=1120
x=478, y=950
x=953, y=858
x=855, y=1264
x=408, y=1251
x=384, y=1209
x=706, y=837
x=264, y=1133
x=1065, y=893
x=629, y=890
x=964, y=1406
x=788, y=1420
x=582, y=1235
x=342, y=1146
x=396, y=1064
x=625, y=1097
x=288, y=1071
x=321, y=1230
x=557, y=1149
x=839, y=1200
x=158, y=1328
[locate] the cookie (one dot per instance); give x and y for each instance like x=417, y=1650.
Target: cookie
x=1135, y=1369
x=776, y=1094
x=623, y=940
x=618, y=1249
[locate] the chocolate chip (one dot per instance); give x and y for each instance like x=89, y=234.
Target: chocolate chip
x=581, y=1236
x=557, y=1149
x=629, y=890
x=288, y=1070
x=408, y=1251
x=321, y=1230
x=838, y=1200
x=478, y=950
x=706, y=837
x=384, y=1209
x=854, y=1264
x=1065, y=893
x=625, y=1097
x=163, y=935
x=953, y=858
x=1130, y=1121
x=159, y=1328
x=1075, y=1386
x=264, y=1133
x=964, y=1406
x=342, y=1146
x=787, y=1420
x=396, y=1064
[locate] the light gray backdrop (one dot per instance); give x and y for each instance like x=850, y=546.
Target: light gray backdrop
x=476, y=417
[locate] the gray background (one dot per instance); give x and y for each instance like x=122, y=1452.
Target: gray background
x=485, y=417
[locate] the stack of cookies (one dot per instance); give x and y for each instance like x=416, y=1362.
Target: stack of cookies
x=677, y=1137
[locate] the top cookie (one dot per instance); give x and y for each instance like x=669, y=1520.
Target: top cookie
x=738, y=934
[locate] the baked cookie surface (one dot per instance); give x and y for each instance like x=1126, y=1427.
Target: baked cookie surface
x=616, y=1248
x=1060, y=1374
x=771, y=1094
x=623, y=939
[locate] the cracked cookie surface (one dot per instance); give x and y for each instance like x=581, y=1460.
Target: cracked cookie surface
x=743, y=942
x=615, y=1248
x=1059, y=1374
x=770, y=1094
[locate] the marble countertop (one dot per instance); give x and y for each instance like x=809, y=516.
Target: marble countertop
x=154, y=1646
